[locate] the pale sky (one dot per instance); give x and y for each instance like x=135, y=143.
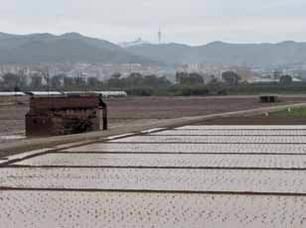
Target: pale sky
x=184, y=21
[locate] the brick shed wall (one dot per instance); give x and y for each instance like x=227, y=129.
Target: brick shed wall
x=51, y=103
x=51, y=116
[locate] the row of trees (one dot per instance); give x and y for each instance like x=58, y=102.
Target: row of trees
x=193, y=84
x=229, y=78
x=37, y=82
x=136, y=84
x=134, y=80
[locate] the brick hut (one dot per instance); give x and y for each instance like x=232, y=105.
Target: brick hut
x=62, y=115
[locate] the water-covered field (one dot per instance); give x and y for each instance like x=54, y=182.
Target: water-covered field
x=192, y=176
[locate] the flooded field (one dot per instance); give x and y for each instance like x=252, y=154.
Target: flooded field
x=192, y=176
x=216, y=139
x=109, y=209
x=167, y=160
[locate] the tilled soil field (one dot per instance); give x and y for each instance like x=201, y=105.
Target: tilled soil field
x=134, y=108
x=12, y=118
x=138, y=110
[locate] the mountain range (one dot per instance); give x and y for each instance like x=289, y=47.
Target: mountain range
x=254, y=55
x=67, y=48
x=74, y=47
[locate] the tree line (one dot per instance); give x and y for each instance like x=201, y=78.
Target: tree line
x=187, y=84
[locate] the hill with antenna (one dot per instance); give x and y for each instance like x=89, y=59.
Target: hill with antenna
x=66, y=48
x=136, y=42
x=257, y=55
x=76, y=48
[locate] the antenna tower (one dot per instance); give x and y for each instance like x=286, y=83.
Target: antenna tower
x=159, y=36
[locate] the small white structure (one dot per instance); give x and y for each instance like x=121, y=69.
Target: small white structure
x=44, y=93
x=11, y=94
x=104, y=94
x=112, y=93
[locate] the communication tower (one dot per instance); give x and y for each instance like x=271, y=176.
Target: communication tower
x=159, y=36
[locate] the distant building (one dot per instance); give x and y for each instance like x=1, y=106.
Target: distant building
x=62, y=115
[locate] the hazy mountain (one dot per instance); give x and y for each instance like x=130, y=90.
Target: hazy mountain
x=73, y=47
x=70, y=48
x=263, y=55
x=168, y=53
x=137, y=42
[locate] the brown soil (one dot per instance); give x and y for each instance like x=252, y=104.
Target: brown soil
x=145, y=109
x=174, y=107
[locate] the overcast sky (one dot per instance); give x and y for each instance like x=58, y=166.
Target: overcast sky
x=184, y=21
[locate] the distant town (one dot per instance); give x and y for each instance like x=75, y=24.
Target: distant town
x=104, y=72
x=72, y=61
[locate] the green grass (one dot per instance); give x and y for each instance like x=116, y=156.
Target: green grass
x=294, y=112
